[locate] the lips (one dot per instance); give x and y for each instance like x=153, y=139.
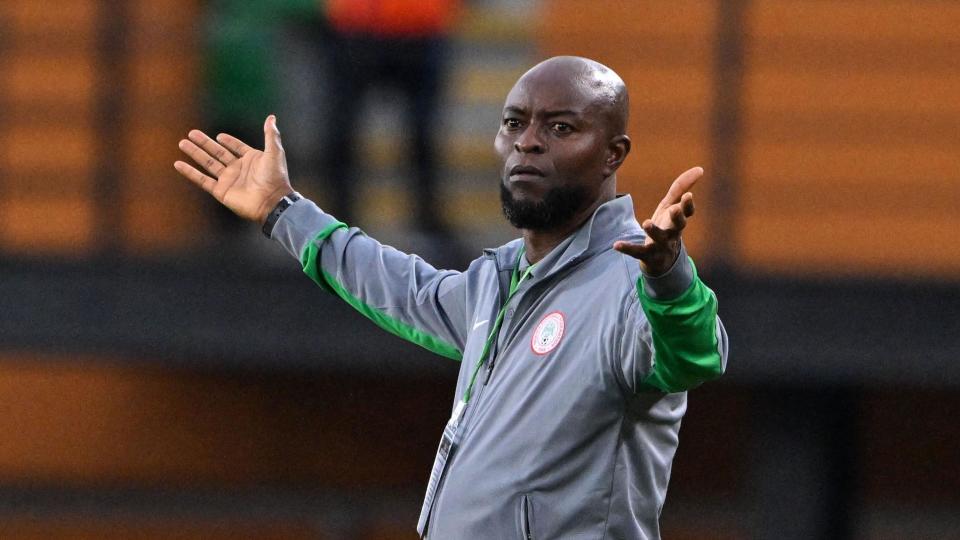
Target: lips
x=525, y=170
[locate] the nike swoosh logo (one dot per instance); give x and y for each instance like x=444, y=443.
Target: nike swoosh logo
x=480, y=323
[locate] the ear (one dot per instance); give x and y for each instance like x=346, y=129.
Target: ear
x=617, y=150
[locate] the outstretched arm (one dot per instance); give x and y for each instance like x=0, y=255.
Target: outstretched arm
x=248, y=181
x=689, y=342
x=399, y=292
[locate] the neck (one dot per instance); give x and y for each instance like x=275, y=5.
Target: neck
x=540, y=242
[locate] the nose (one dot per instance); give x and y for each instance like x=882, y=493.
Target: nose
x=529, y=142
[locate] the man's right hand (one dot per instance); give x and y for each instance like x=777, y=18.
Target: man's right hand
x=244, y=179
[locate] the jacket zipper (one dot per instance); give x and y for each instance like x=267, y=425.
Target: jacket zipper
x=511, y=335
x=495, y=344
x=491, y=361
x=475, y=399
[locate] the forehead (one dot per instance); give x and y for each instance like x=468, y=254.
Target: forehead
x=555, y=90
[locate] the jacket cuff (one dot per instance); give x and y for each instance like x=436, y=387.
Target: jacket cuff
x=674, y=282
x=300, y=224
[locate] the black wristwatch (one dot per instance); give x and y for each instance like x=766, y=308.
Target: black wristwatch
x=286, y=202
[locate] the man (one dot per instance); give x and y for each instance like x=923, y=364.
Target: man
x=575, y=359
x=403, y=45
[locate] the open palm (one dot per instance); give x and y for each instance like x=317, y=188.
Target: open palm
x=246, y=180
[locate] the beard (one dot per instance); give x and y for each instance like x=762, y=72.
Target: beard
x=558, y=206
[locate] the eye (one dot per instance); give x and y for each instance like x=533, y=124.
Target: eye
x=561, y=127
x=511, y=123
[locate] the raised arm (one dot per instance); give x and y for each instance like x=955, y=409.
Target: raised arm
x=399, y=292
x=689, y=341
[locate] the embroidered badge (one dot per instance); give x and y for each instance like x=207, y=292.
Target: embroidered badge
x=548, y=333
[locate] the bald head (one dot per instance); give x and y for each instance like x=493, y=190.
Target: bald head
x=606, y=90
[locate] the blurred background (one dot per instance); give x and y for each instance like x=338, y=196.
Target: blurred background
x=165, y=372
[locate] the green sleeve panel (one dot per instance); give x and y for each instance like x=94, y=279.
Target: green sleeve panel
x=310, y=259
x=684, y=329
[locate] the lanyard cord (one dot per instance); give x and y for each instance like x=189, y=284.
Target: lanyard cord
x=515, y=280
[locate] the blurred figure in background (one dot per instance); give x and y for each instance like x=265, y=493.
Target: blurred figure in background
x=242, y=85
x=403, y=44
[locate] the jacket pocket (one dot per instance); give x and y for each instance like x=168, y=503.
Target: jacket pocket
x=526, y=518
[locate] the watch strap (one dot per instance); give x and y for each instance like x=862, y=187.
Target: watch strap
x=274, y=215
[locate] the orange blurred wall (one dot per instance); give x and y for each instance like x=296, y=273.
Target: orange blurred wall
x=849, y=154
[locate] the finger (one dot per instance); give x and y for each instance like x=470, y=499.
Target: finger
x=234, y=144
x=211, y=147
x=677, y=217
x=655, y=233
x=191, y=173
x=681, y=185
x=271, y=135
x=632, y=249
x=686, y=202
x=202, y=158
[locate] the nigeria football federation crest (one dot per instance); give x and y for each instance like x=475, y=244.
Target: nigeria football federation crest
x=548, y=333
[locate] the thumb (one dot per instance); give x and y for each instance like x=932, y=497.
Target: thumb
x=271, y=135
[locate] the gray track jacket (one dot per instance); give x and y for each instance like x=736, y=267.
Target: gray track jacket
x=574, y=413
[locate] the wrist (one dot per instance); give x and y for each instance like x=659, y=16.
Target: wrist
x=270, y=203
x=671, y=283
x=282, y=204
x=660, y=265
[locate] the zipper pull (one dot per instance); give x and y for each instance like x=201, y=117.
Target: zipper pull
x=486, y=377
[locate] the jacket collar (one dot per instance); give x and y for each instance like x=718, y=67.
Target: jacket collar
x=613, y=220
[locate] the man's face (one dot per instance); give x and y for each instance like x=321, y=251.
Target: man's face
x=553, y=143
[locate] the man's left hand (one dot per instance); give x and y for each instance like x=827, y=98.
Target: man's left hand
x=662, y=246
